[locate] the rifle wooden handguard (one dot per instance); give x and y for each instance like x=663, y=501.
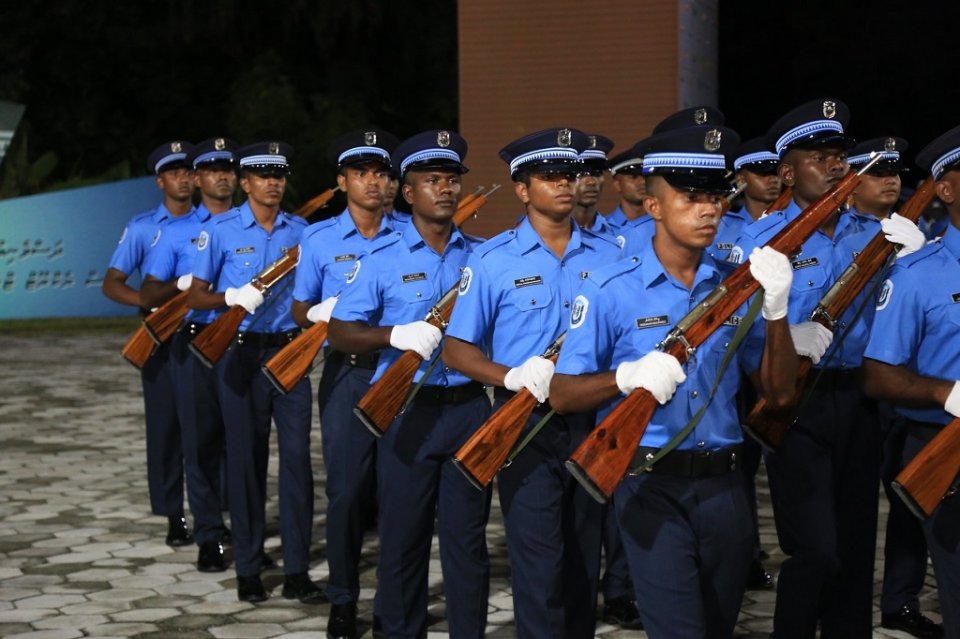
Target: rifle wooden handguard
x=164, y=322
x=925, y=481
x=294, y=361
x=213, y=341
x=383, y=401
x=139, y=347
x=316, y=203
x=604, y=457
x=769, y=427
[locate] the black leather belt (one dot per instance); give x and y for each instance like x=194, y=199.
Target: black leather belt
x=828, y=379
x=449, y=394
x=193, y=328
x=688, y=463
x=267, y=340
x=924, y=431
x=366, y=361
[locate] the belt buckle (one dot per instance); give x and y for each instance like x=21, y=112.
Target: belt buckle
x=733, y=460
x=642, y=467
x=353, y=359
x=240, y=338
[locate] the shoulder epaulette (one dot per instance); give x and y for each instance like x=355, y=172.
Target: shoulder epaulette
x=224, y=217
x=755, y=228
x=922, y=253
x=296, y=219
x=496, y=241
x=318, y=226
x=607, y=272
x=608, y=238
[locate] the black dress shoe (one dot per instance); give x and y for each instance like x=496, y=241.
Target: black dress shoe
x=225, y=537
x=300, y=586
x=210, y=557
x=250, y=589
x=758, y=578
x=912, y=621
x=266, y=561
x=622, y=612
x=177, y=533
x=343, y=621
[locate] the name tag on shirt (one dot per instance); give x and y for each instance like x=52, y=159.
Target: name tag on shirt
x=348, y=257
x=807, y=263
x=413, y=277
x=724, y=246
x=528, y=281
x=245, y=250
x=650, y=322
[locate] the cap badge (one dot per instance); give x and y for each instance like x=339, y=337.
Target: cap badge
x=829, y=109
x=593, y=141
x=443, y=139
x=891, y=145
x=370, y=138
x=564, y=137
x=711, y=142
x=175, y=147
x=700, y=116
x=219, y=144
x=275, y=148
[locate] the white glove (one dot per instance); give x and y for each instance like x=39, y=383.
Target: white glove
x=248, y=296
x=321, y=312
x=952, y=405
x=534, y=375
x=775, y=274
x=184, y=281
x=419, y=336
x=656, y=371
x=900, y=230
x=810, y=339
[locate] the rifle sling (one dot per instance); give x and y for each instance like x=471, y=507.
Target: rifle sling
x=529, y=436
x=416, y=387
x=752, y=311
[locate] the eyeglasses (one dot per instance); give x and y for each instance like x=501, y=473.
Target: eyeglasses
x=555, y=176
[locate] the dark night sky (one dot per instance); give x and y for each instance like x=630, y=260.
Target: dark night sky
x=890, y=61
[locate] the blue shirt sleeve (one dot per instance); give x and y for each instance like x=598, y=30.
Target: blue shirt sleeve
x=308, y=283
x=476, y=304
x=361, y=298
x=161, y=260
x=590, y=339
x=128, y=255
x=209, y=260
x=898, y=324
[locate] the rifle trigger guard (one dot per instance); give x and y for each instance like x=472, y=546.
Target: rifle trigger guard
x=822, y=314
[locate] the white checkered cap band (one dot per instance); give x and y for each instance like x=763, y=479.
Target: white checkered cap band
x=944, y=161
x=750, y=158
x=806, y=129
x=430, y=154
x=626, y=163
x=167, y=159
x=865, y=157
x=212, y=156
x=593, y=154
x=364, y=150
x=653, y=161
x=279, y=160
x=553, y=153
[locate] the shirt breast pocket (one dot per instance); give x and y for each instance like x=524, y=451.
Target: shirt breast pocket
x=243, y=265
x=417, y=293
x=531, y=306
x=809, y=274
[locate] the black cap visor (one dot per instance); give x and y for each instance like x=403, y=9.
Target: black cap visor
x=695, y=180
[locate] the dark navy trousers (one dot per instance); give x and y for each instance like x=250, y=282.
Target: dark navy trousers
x=203, y=438
x=418, y=483
x=249, y=401
x=553, y=529
x=823, y=484
x=688, y=542
x=349, y=455
x=616, y=574
x=164, y=440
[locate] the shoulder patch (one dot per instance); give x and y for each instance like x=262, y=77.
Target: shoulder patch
x=123, y=235
x=736, y=255
x=156, y=237
x=203, y=240
x=621, y=241
x=466, y=277
x=352, y=275
x=886, y=292
x=579, y=313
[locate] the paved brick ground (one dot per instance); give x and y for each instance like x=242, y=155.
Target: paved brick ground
x=81, y=555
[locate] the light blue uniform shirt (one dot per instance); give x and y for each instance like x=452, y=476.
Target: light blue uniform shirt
x=516, y=295
x=329, y=249
x=233, y=249
x=397, y=283
x=917, y=319
x=141, y=234
x=815, y=267
x=618, y=219
x=624, y=310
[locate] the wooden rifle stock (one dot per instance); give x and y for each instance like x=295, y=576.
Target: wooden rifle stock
x=316, y=203
x=769, y=426
x=384, y=400
x=213, y=341
x=294, y=361
x=604, y=457
x=926, y=480
x=485, y=452
x=139, y=347
x=164, y=322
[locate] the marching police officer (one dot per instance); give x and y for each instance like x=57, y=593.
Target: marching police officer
x=911, y=360
x=626, y=171
x=164, y=450
x=514, y=301
x=685, y=524
x=329, y=250
x=168, y=269
x=382, y=308
x=593, y=165
x=237, y=246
